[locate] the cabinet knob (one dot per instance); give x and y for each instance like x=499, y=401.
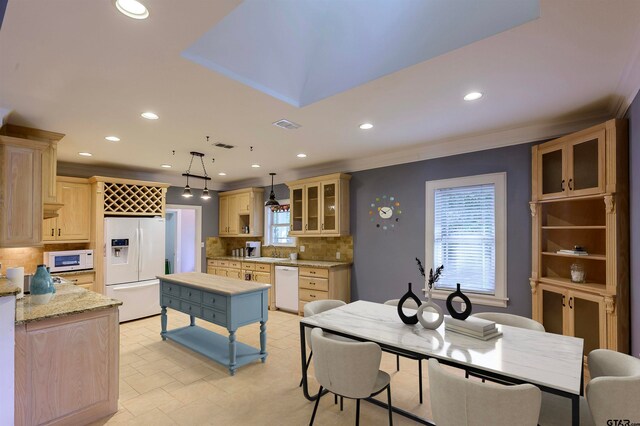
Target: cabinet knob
x=562, y=185
x=53, y=232
x=571, y=303
x=306, y=227
x=312, y=283
x=59, y=232
x=563, y=305
x=570, y=184
x=312, y=295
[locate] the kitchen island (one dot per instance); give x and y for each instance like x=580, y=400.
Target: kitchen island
x=67, y=358
x=227, y=302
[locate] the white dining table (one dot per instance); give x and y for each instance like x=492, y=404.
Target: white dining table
x=552, y=362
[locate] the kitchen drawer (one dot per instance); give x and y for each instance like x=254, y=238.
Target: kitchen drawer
x=80, y=278
x=211, y=263
x=211, y=270
x=262, y=277
x=171, y=302
x=223, y=263
x=263, y=267
x=214, y=316
x=313, y=272
x=191, y=294
x=249, y=266
x=215, y=301
x=235, y=273
x=171, y=289
x=311, y=295
x=221, y=272
x=190, y=308
x=235, y=264
x=301, y=304
x=314, y=283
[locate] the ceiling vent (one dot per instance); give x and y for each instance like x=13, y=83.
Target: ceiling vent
x=223, y=145
x=286, y=124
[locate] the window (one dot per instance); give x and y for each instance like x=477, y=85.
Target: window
x=277, y=224
x=466, y=232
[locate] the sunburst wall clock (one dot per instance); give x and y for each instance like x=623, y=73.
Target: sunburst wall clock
x=385, y=212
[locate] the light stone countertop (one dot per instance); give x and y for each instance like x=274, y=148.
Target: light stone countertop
x=68, y=300
x=223, y=285
x=285, y=261
x=7, y=288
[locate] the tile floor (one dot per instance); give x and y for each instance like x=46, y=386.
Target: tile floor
x=162, y=383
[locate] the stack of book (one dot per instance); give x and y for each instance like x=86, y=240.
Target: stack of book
x=473, y=327
x=580, y=252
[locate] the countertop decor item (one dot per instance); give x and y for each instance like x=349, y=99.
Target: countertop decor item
x=42, y=288
x=413, y=319
x=467, y=310
x=429, y=304
x=16, y=276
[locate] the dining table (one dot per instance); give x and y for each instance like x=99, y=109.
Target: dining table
x=552, y=362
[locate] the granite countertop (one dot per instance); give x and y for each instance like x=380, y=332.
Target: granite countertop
x=68, y=300
x=285, y=261
x=70, y=273
x=7, y=288
x=223, y=285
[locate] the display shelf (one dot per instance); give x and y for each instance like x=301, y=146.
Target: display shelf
x=591, y=287
x=575, y=256
x=575, y=227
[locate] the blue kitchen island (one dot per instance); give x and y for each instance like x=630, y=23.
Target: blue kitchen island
x=226, y=302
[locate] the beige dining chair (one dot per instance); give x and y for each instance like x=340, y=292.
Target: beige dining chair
x=411, y=305
x=510, y=320
x=349, y=370
x=456, y=401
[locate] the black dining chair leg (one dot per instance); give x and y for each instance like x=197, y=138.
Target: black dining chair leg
x=420, y=378
x=466, y=374
x=306, y=367
x=341, y=403
x=397, y=362
x=335, y=398
x=357, y=412
x=389, y=404
x=315, y=407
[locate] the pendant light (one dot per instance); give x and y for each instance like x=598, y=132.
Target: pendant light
x=187, y=189
x=272, y=197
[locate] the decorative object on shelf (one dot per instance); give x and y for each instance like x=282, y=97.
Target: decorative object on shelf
x=578, y=274
x=455, y=314
x=187, y=189
x=272, y=197
x=42, y=288
x=429, y=304
x=383, y=210
x=413, y=319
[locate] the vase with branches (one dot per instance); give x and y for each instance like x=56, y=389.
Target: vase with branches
x=433, y=276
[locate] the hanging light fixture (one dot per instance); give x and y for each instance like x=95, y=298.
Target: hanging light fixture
x=187, y=189
x=272, y=197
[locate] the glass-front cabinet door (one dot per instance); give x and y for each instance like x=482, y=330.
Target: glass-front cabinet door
x=329, y=207
x=551, y=167
x=312, y=222
x=552, y=308
x=297, y=212
x=586, y=161
x=587, y=319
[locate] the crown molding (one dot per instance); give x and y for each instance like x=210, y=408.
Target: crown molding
x=629, y=83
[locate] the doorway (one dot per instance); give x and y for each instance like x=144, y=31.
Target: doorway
x=183, y=238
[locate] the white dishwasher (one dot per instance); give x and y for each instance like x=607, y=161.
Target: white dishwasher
x=287, y=288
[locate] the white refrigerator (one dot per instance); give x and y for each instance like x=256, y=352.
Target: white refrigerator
x=134, y=257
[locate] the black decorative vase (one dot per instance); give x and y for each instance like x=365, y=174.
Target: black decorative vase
x=413, y=319
x=455, y=314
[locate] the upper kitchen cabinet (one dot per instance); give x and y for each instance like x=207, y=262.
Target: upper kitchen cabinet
x=20, y=191
x=73, y=223
x=577, y=164
x=320, y=206
x=49, y=162
x=241, y=213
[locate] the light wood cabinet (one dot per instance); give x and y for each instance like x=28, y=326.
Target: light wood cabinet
x=323, y=283
x=84, y=280
x=591, y=211
x=73, y=222
x=320, y=206
x=241, y=213
x=20, y=192
x=241, y=269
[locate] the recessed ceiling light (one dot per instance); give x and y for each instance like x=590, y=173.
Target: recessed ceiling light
x=301, y=155
x=165, y=166
x=222, y=174
x=85, y=154
x=112, y=138
x=255, y=166
x=366, y=126
x=132, y=8
x=149, y=116
x=472, y=96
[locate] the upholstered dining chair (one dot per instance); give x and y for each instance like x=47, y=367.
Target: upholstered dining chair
x=313, y=308
x=456, y=401
x=614, y=389
x=511, y=320
x=349, y=370
x=411, y=305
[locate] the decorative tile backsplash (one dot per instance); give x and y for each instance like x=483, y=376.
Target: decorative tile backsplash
x=323, y=248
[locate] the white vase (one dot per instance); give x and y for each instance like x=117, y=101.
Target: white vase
x=433, y=324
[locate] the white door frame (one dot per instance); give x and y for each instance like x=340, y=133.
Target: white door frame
x=198, y=239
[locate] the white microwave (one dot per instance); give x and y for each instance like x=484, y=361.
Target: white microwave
x=71, y=260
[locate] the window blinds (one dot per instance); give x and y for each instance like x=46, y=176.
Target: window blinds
x=465, y=238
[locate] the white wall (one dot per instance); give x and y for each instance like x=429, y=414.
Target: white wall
x=170, y=239
x=188, y=240
x=7, y=345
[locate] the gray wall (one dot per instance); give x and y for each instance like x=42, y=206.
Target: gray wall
x=633, y=114
x=384, y=260
x=209, y=213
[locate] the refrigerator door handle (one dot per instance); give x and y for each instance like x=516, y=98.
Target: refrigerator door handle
x=141, y=248
x=116, y=288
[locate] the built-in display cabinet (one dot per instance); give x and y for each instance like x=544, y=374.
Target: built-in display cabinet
x=73, y=223
x=320, y=206
x=241, y=213
x=580, y=198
